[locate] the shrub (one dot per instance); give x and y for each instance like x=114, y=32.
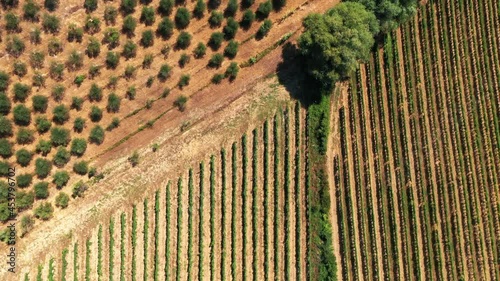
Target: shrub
x=54, y=46
x=95, y=93
x=30, y=10
x=4, y=168
x=215, y=19
x=182, y=18
x=247, y=3
x=147, y=39
x=264, y=9
x=35, y=36
x=113, y=103
x=232, y=71
x=113, y=80
x=129, y=49
x=40, y=103
x=62, y=200
x=264, y=28
x=81, y=168
x=110, y=14
x=22, y=115
x=95, y=114
x=74, y=61
x=214, y=4
x=51, y=23
x=44, y=211
x=58, y=92
x=5, y=104
x=114, y=124
x=60, y=179
x=164, y=72
x=21, y=91
x=75, y=33
x=78, y=146
x=24, y=201
x=130, y=93
x=61, y=157
x=24, y=180
x=215, y=40
x=96, y=135
x=5, y=148
x=59, y=136
x=93, y=48
x=94, y=71
x=232, y=7
x=149, y=104
x=38, y=80
x=183, y=40
x=4, y=81
x=216, y=60
x=56, y=70
x=19, y=68
x=37, y=59
x=165, y=7
x=165, y=50
x=51, y=5
x=42, y=167
x=41, y=190
x=165, y=28
x=92, y=25
x=184, y=59
x=134, y=158
x=60, y=114
x=147, y=15
x=112, y=60
x=90, y=5
x=79, y=79
x=150, y=81
x=200, y=50
x=128, y=6
x=217, y=78
x=78, y=189
x=24, y=136
x=42, y=124
x=184, y=81
x=43, y=147
x=129, y=24
x=199, y=9
x=15, y=46
x=180, y=102
x=11, y=22
x=79, y=124
x=231, y=49
x=111, y=37
x=278, y=4
x=247, y=19
x=76, y=103
x=5, y=127
x=231, y=28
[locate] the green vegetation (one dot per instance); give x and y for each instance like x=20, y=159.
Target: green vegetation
x=59, y=136
x=232, y=71
x=200, y=50
x=264, y=29
x=216, y=60
x=60, y=114
x=165, y=28
x=215, y=19
x=230, y=28
x=96, y=135
x=183, y=40
x=25, y=136
x=182, y=18
x=60, y=179
x=264, y=9
x=44, y=211
x=42, y=124
x=40, y=103
x=62, y=200
x=247, y=19
x=42, y=167
x=23, y=157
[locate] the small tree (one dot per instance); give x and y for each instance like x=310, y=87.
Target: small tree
x=215, y=19
x=21, y=91
x=60, y=179
x=129, y=50
x=42, y=124
x=62, y=200
x=150, y=81
x=54, y=46
x=5, y=148
x=43, y=147
x=59, y=136
x=11, y=22
x=180, y=102
x=232, y=7
x=74, y=61
x=111, y=37
x=56, y=71
x=113, y=103
x=112, y=60
x=93, y=48
x=79, y=189
x=147, y=15
x=23, y=157
x=200, y=50
x=247, y=3
x=165, y=7
x=60, y=114
x=24, y=201
x=184, y=59
x=4, y=81
x=38, y=80
x=214, y=4
x=94, y=71
x=264, y=28
x=44, y=211
x=216, y=60
x=75, y=33
x=110, y=14
x=130, y=93
x=183, y=40
x=215, y=40
x=5, y=127
x=184, y=81
x=182, y=18
x=129, y=24
x=199, y=9
x=24, y=136
x=15, y=46
x=19, y=68
x=232, y=71
x=36, y=59
x=129, y=72
x=92, y=25
x=51, y=23
x=230, y=28
x=134, y=159
x=147, y=61
x=90, y=5
x=42, y=167
x=35, y=36
x=147, y=39
x=22, y=115
x=165, y=28
x=51, y=5
x=217, y=78
x=61, y=157
x=95, y=93
x=41, y=190
x=231, y=49
x=264, y=9
x=5, y=104
x=76, y=103
x=81, y=168
x=248, y=19
x=95, y=114
x=113, y=80
x=24, y=180
x=79, y=124
x=128, y=6
x=279, y=4
x=96, y=135
x=114, y=124
x=30, y=10
x=164, y=72
x=78, y=146
x=57, y=92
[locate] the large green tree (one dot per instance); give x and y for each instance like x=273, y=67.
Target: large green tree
x=390, y=13
x=334, y=43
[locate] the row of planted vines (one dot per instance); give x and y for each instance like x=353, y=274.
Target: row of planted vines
x=241, y=215
x=416, y=170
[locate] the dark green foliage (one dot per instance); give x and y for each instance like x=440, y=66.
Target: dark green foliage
x=217, y=78
x=15, y=46
x=113, y=103
x=62, y=200
x=232, y=71
x=264, y=9
x=44, y=211
x=60, y=179
x=128, y=6
x=131, y=91
x=112, y=60
x=22, y=115
x=200, y=50
x=231, y=49
x=215, y=40
x=164, y=72
x=79, y=79
x=182, y=18
x=147, y=39
x=111, y=37
x=42, y=167
x=56, y=71
x=51, y=5
x=60, y=114
x=4, y=216
x=41, y=190
x=232, y=7
x=129, y=49
x=390, y=13
x=247, y=3
x=279, y=4
x=40, y=103
x=214, y=4
x=129, y=25
x=215, y=19
x=42, y=124
x=92, y=25
x=184, y=59
x=61, y=157
x=75, y=33
x=79, y=124
x=165, y=28
x=5, y=148
x=147, y=15
x=23, y=157
x=96, y=135
x=76, y=103
x=230, y=28
x=93, y=48
x=59, y=136
x=165, y=7
x=114, y=124
x=43, y=147
x=79, y=189
x=95, y=114
x=24, y=201
x=184, y=81
x=81, y=167
x=24, y=136
x=247, y=19
x=264, y=28
x=199, y=9
x=5, y=127
x=78, y=146
x=58, y=92
x=19, y=68
x=24, y=180
x=180, y=102
x=30, y=10
x=335, y=42
x=5, y=105
x=95, y=93
x=4, y=81
x=21, y=92
x=51, y=23
x=216, y=60
x=110, y=14
x=11, y=22
x=150, y=81
x=74, y=61
x=4, y=168
x=90, y=5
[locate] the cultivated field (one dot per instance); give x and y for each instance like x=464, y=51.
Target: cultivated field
x=417, y=163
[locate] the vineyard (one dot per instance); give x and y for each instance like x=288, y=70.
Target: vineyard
x=416, y=168
x=242, y=215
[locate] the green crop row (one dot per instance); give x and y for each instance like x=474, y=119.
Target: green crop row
x=223, y=215
x=244, y=203
x=266, y=200
x=276, y=169
x=234, y=172
x=64, y=262
x=254, y=202
x=99, y=253
x=111, y=248
x=190, y=224
x=179, y=229
x=146, y=239
x=286, y=188
x=200, y=225
x=88, y=244
x=51, y=270
x=298, y=178
x=75, y=262
x=167, y=234
x=134, y=242
x=122, y=246
x=157, y=234
x=212, y=218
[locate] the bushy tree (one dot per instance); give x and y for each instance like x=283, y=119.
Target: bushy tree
x=74, y=61
x=147, y=15
x=51, y=5
x=5, y=127
x=4, y=169
x=183, y=40
x=199, y=8
x=217, y=78
x=54, y=46
x=164, y=73
x=24, y=201
x=182, y=18
x=147, y=61
x=165, y=28
x=200, y=50
x=41, y=190
x=45, y=211
x=334, y=43
x=76, y=103
x=5, y=148
x=390, y=13
x=43, y=147
x=130, y=93
x=78, y=146
x=95, y=93
x=215, y=40
x=230, y=28
x=165, y=7
x=75, y=33
x=111, y=37
x=60, y=114
x=61, y=157
x=38, y=79
x=231, y=9
x=128, y=6
x=215, y=19
x=216, y=60
x=42, y=124
x=147, y=39
x=92, y=25
x=279, y=4
x=81, y=167
x=247, y=19
x=36, y=59
x=60, y=179
x=90, y=5
x=56, y=71
x=24, y=136
x=264, y=29
x=5, y=104
x=264, y=9
x=114, y=102
x=24, y=180
x=93, y=48
x=184, y=59
x=247, y=3
x=112, y=60
x=62, y=200
x=30, y=10
x=231, y=49
x=57, y=92
x=96, y=135
x=35, y=35
x=15, y=46
x=4, y=81
x=79, y=189
x=95, y=114
x=129, y=72
x=79, y=124
x=19, y=68
x=94, y=71
x=129, y=49
x=59, y=136
x=181, y=102
x=110, y=14
x=21, y=91
x=11, y=22
x=214, y=4
x=51, y=23
x=129, y=25
x=184, y=81
x=22, y=115
x=42, y=167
